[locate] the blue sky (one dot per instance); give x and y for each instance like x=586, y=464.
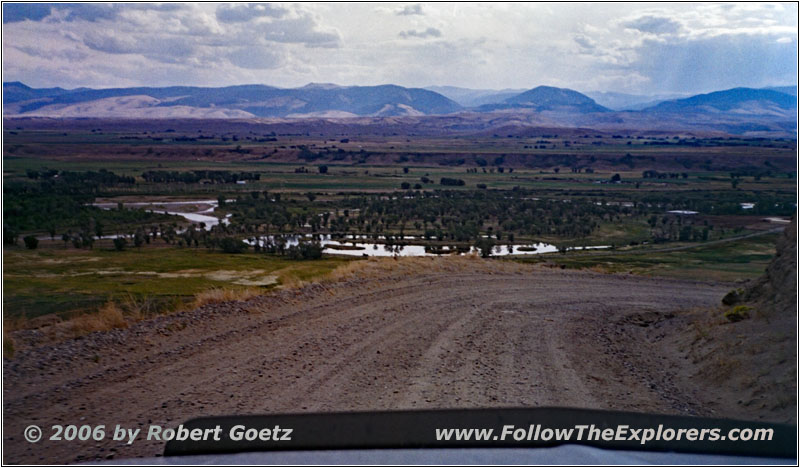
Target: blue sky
x=646, y=48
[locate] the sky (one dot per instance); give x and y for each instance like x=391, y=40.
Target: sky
x=639, y=48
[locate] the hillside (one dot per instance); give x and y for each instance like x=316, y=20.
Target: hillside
x=391, y=108
x=475, y=97
x=232, y=101
x=737, y=100
x=548, y=98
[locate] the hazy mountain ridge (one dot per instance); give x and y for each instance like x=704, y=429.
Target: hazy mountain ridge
x=255, y=100
x=766, y=100
x=624, y=101
x=548, y=98
x=742, y=111
x=468, y=97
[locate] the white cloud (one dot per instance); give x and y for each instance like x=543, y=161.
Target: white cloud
x=422, y=34
x=408, y=10
x=608, y=46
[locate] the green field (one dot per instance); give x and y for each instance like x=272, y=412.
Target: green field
x=550, y=182
x=732, y=261
x=55, y=280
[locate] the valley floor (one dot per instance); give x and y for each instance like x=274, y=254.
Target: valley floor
x=387, y=334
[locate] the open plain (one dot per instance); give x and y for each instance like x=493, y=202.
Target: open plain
x=382, y=334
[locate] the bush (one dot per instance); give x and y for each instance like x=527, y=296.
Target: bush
x=733, y=297
x=738, y=313
x=31, y=242
x=120, y=243
x=232, y=245
x=451, y=182
x=485, y=246
x=305, y=251
x=405, y=186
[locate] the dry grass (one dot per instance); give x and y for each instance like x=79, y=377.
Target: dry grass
x=9, y=345
x=216, y=295
x=292, y=282
x=109, y=317
x=376, y=267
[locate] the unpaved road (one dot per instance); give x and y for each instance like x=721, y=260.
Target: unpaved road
x=457, y=339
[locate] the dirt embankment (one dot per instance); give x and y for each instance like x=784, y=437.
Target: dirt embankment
x=752, y=360
x=411, y=333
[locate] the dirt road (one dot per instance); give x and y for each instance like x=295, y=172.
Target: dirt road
x=452, y=338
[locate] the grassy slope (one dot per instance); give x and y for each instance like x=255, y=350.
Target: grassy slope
x=734, y=261
x=66, y=281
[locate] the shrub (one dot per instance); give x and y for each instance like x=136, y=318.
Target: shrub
x=451, y=182
x=232, y=245
x=738, y=313
x=31, y=242
x=305, y=251
x=120, y=243
x=734, y=296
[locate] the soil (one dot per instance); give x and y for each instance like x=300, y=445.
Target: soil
x=457, y=334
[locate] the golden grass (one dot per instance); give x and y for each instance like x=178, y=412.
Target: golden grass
x=9, y=345
x=376, y=267
x=109, y=317
x=216, y=295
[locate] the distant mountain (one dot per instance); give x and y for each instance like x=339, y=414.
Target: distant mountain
x=15, y=91
x=623, y=101
x=235, y=101
x=741, y=111
x=746, y=101
x=474, y=97
x=791, y=90
x=548, y=98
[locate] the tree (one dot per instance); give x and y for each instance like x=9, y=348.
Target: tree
x=31, y=242
x=311, y=196
x=405, y=170
x=323, y=169
x=139, y=238
x=120, y=243
x=485, y=246
x=616, y=178
x=405, y=186
x=10, y=235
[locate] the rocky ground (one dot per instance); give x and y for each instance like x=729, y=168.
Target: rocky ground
x=413, y=333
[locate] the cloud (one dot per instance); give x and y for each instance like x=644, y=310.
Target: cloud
x=15, y=12
x=613, y=47
x=408, y=10
x=242, y=13
x=66, y=12
x=302, y=29
x=261, y=58
x=430, y=32
x=653, y=25
x=586, y=44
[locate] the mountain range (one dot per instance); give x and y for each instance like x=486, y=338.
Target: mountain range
x=739, y=110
